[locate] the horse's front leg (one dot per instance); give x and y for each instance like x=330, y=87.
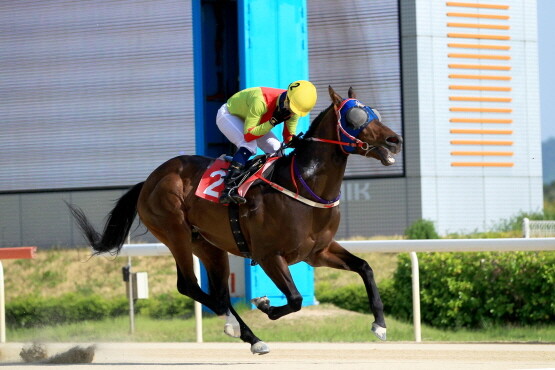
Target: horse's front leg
x=335, y=256
x=277, y=269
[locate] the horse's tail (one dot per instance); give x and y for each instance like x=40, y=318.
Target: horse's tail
x=118, y=225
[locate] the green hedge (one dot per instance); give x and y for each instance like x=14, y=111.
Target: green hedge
x=166, y=306
x=353, y=297
x=421, y=229
x=32, y=312
x=464, y=289
x=350, y=297
x=477, y=289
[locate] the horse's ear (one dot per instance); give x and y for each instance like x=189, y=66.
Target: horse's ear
x=351, y=93
x=335, y=98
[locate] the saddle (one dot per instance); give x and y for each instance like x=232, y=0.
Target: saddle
x=212, y=181
x=251, y=167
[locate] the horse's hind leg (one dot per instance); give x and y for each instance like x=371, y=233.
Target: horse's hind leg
x=216, y=263
x=179, y=243
x=277, y=269
x=335, y=256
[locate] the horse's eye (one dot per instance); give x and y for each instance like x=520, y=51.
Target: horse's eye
x=356, y=117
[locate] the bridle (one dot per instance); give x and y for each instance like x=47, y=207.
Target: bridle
x=348, y=142
x=347, y=135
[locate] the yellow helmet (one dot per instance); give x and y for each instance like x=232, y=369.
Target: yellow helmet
x=302, y=97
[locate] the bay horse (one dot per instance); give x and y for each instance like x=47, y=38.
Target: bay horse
x=279, y=229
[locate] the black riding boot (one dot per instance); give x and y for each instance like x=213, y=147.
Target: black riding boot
x=229, y=194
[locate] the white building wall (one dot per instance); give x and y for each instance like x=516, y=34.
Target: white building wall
x=478, y=92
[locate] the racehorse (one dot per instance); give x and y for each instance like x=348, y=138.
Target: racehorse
x=279, y=229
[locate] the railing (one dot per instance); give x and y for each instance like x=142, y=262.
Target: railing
x=538, y=228
x=391, y=246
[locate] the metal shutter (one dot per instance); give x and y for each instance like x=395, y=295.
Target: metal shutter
x=93, y=93
x=356, y=43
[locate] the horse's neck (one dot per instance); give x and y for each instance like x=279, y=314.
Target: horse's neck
x=322, y=165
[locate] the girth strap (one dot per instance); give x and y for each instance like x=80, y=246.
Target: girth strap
x=233, y=210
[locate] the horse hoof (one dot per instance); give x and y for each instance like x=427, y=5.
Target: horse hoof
x=232, y=326
x=261, y=302
x=260, y=348
x=379, y=331
x=232, y=330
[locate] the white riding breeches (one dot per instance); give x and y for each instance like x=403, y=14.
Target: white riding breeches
x=232, y=127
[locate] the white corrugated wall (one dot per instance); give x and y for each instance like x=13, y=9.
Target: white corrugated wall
x=93, y=93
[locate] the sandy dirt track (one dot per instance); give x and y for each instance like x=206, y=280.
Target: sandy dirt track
x=306, y=356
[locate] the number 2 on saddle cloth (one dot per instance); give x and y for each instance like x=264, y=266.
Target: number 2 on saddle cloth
x=212, y=181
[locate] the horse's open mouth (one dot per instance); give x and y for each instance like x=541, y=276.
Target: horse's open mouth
x=385, y=156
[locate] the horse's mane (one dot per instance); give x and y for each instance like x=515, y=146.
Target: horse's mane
x=316, y=122
x=299, y=144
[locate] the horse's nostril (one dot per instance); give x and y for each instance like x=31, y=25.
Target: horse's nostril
x=393, y=140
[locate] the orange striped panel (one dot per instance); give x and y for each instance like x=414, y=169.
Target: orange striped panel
x=476, y=15
x=482, y=77
x=478, y=36
x=479, y=120
x=479, y=88
x=482, y=164
x=477, y=25
x=485, y=110
x=506, y=154
x=475, y=5
x=479, y=56
x=478, y=46
x=480, y=66
x=480, y=142
x=480, y=132
x=473, y=98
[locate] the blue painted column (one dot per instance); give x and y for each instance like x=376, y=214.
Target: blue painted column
x=198, y=77
x=273, y=45
x=273, y=52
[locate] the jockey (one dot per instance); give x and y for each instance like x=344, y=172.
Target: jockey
x=248, y=117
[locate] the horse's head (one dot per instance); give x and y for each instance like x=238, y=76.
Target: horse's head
x=361, y=127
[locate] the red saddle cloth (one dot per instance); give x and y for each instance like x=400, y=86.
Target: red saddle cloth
x=212, y=181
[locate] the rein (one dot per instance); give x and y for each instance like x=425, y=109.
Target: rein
x=360, y=144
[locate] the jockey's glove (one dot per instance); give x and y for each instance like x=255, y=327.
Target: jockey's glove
x=279, y=116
